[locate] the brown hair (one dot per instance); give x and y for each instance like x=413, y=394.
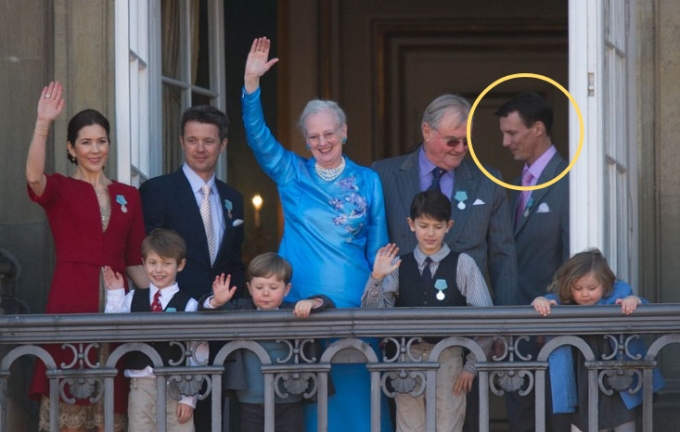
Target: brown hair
x=166, y=244
x=581, y=264
x=269, y=264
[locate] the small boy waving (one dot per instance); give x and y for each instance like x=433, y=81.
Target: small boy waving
x=163, y=256
x=268, y=279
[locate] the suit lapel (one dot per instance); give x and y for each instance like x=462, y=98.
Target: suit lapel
x=464, y=181
x=407, y=180
x=228, y=230
x=537, y=196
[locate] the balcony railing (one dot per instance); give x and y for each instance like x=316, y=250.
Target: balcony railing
x=504, y=370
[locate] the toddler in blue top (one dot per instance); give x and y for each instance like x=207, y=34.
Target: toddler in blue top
x=587, y=280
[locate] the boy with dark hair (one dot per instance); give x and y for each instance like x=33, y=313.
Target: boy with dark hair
x=268, y=279
x=433, y=276
x=163, y=256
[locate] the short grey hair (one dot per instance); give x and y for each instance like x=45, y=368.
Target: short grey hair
x=443, y=104
x=316, y=106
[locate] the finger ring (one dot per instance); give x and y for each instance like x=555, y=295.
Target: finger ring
x=47, y=96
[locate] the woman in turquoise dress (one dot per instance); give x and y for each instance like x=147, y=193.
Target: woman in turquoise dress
x=334, y=217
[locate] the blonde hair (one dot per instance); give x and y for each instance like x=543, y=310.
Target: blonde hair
x=582, y=264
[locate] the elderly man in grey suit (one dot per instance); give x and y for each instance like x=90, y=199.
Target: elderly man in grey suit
x=482, y=227
x=479, y=207
x=540, y=220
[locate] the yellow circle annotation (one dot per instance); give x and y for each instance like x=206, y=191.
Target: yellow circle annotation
x=580, y=138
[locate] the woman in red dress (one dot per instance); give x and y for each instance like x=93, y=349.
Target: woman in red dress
x=95, y=222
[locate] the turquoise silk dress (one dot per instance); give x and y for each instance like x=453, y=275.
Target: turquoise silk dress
x=332, y=232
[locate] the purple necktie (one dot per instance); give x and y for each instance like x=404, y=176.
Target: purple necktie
x=524, y=195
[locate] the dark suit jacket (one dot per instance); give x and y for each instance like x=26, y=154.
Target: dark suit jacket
x=482, y=229
x=542, y=237
x=169, y=202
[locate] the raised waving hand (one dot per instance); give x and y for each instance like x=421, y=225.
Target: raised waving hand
x=50, y=105
x=258, y=63
x=386, y=261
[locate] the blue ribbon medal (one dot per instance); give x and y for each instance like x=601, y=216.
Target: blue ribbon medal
x=530, y=204
x=440, y=285
x=461, y=196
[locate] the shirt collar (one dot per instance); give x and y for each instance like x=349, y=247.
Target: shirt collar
x=536, y=168
x=166, y=293
x=424, y=164
x=436, y=257
x=196, y=181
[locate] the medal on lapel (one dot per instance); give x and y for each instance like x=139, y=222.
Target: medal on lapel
x=461, y=196
x=440, y=285
x=530, y=204
x=228, y=206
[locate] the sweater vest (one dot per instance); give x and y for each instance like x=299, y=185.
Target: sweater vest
x=140, y=303
x=413, y=292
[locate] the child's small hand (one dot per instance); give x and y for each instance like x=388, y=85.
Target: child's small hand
x=384, y=261
x=542, y=305
x=629, y=304
x=463, y=383
x=112, y=280
x=184, y=412
x=221, y=291
x=303, y=308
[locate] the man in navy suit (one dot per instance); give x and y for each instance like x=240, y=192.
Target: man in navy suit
x=176, y=201
x=173, y=201
x=540, y=220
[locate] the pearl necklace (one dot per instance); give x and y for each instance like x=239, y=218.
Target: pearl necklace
x=330, y=174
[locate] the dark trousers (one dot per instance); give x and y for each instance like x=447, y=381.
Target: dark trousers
x=288, y=417
x=472, y=409
x=521, y=410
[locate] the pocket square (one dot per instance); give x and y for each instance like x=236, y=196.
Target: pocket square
x=543, y=208
x=238, y=222
x=478, y=202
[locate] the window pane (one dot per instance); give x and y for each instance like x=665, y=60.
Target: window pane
x=172, y=111
x=199, y=99
x=202, y=51
x=170, y=38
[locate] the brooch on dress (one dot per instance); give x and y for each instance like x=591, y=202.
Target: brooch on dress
x=120, y=199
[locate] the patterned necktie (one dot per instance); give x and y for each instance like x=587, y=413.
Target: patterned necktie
x=427, y=274
x=156, y=303
x=206, y=215
x=524, y=195
x=437, y=174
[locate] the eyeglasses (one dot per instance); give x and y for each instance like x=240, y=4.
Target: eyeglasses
x=327, y=136
x=452, y=141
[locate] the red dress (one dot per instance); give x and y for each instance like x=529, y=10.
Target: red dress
x=82, y=248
